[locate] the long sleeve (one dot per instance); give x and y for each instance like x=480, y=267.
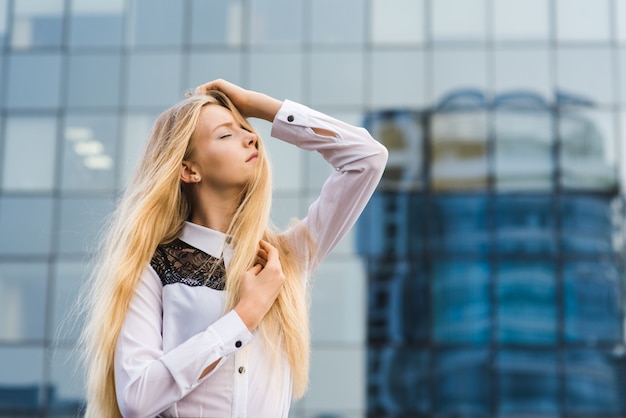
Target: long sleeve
x=149, y=380
x=359, y=161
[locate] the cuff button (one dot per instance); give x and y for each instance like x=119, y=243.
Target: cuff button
x=290, y=118
x=238, y=344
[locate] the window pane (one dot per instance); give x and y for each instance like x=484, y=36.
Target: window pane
x=589, y=224
x=526, y=303
x=459, y=20
x=583, y=20
x=397, y=79
x=587, y=155
x=21, y=377
x=446, y=77
x=620, y=18
x=96, y=22
x=81, y=219
x=136, y=131
x=23, y=301
x=462, y=381
x=528, y=382
x=586, y=74
x=89, y=144
x=340, y=83
x=525, y=224
x=460, y=301
x=216, y=22
x=66, y=382
x=37, y=23
x=344, y=25
x=523, y=145
x=266, y=79
x=592, y=302
x=595, y=383
x=458, y=154
x=154, y=80
x=276, y=21
x=83, y=70
x=149, y=18
x=460, y=224
x=34, y=81
x=529, y=71
x=25, y=225
x=521, y=20
x=402, y=133
x=207, y=66
x=397, y=21
x=31, y=139
x=69, y=277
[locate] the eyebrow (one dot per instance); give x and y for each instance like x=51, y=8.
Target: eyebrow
x=222, y=125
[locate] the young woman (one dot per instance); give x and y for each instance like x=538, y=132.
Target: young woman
x=197, y=306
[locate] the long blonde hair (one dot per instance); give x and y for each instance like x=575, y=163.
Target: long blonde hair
x=153, y=210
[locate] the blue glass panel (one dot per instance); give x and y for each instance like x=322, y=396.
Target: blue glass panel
x=34, y=81
x=460, y=301
x=216, y=22
x=83, y=70
x=525, y=224
x=96, y=23
x=595, y=382
x=588, y=224
x=527, y=312
x=150, y=17
x=25, y=225
x=398, y=381
x=276, y=21
x=593, y=306
x=528, y=382
x=37, y=23
x=21, y=378
x=460, y=224
x=81, y=219
x=462, y=382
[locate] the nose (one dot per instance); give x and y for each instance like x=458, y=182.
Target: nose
x=251, y=139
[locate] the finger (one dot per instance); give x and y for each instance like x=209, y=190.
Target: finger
x=255, y=269
x=262, y=254
x=261, y=261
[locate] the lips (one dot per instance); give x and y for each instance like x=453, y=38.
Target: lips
x=253, y=156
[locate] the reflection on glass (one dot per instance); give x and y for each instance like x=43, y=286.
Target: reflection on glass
x=340, y=84
x=592, y=302
x=523, y=141
x=397, y=79
x=32, y=140
x=397, y=21
x=460, y=224
x=345, y=25
x=528, y=382
x=66, y=382
x=595, y=382
x=521, y=20
x=23, y=301
x=35, y=81
x=276, y=22
x=263, y=78
x=525, y=224
x=3, y=22
x=589, y=224
x=526, y=303
x=583, y=20
x=37, y=23
x=467, y=86
x=81, y=219
x=399, y=381
x=148, y=18
x=620, y=16
x=96, y=23
x=205, y=66
x=587, y=151
x=467, y=23
x=587, y=74
x=154, y=80
x=89, y=152
x=402, y=133
x=25, y=225
x=216, y=22
x=21, y=377
x=458, y=154
x=460, y=298
x=528, y=71
x=136, y=130
x=462, y=381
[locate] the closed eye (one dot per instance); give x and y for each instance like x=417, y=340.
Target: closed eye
x=225, y=136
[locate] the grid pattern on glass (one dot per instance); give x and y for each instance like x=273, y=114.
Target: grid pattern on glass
x=37, y=23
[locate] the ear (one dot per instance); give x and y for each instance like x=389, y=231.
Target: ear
x=188, y=173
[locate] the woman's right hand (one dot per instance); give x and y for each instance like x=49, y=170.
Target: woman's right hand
x=260, y=286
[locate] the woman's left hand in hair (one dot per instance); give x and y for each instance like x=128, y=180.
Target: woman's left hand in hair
x=250, y=103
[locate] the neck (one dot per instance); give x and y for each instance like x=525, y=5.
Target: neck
x=215, y=210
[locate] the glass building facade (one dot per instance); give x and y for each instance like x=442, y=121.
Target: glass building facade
x=486, y=277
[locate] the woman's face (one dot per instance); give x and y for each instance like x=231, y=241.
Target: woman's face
x=225, y=154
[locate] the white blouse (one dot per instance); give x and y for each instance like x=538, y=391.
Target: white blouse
x=172, y=332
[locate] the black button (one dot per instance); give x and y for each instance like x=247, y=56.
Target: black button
x=238, y=344
x=290, y=118
x=242, y=370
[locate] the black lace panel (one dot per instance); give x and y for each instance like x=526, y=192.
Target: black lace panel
x=179, y=262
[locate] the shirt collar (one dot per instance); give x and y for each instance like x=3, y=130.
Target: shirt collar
x=206, y=239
